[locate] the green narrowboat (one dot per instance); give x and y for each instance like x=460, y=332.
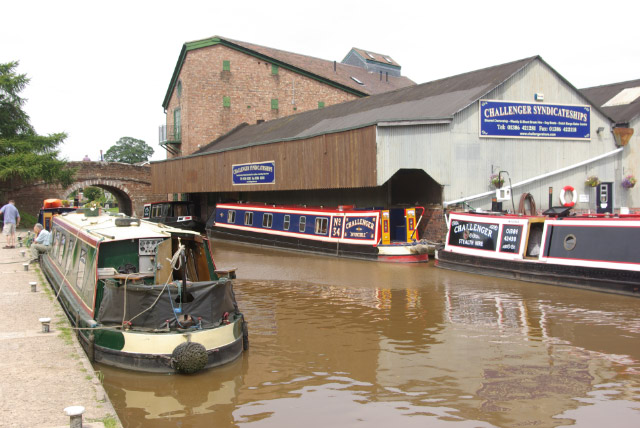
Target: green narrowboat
x=143, y=296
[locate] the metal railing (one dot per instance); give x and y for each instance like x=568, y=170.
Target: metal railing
x=169, y=134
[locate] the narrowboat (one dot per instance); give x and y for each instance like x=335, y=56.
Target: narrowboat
x=363, y=233
x=51, y=207
x=143, y=296
x=180, y=214
x=590, y=251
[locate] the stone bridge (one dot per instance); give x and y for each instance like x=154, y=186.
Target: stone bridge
x=129, y=184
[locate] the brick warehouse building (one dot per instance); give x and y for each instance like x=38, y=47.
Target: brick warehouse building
x=219, y=83
x=436, y=144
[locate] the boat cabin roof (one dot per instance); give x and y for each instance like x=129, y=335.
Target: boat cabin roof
x=103, y=228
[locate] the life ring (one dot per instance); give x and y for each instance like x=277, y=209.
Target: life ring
x=573, y=196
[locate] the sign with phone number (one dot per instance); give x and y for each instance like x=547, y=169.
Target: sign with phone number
x=505, y=119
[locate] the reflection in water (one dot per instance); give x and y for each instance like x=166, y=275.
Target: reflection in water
x=349, y=343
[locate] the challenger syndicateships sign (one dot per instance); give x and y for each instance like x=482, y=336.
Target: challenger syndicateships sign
x=505, y=119
x=254, y=173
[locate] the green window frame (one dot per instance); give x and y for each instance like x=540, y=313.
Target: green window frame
x=226, y=65
x=274, y=104
x=226, y=102
x=274, y=70
x=177, y=123
x=320, y=104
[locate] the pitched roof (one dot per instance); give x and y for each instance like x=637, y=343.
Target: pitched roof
x=436, y=101
x=621, y=110
x=372, y=56
x=330, y=72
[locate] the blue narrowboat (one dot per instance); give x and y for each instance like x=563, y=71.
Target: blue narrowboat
x=372, y=234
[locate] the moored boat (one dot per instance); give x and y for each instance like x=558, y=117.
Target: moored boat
x=371, y=233
x=595, y=252
x=180, y=214
x=143, y=296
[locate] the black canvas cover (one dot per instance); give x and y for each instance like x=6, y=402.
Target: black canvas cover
x=211, y=299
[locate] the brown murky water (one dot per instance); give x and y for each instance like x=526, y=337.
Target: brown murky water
x=342, y=343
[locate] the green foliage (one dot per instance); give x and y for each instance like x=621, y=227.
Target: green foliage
x=128, y=150
x=27, y=220
x=23, y=153
x=93, y=194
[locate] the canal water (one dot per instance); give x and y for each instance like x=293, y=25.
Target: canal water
x=345, y=343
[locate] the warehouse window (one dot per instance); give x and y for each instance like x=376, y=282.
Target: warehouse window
x=302, y=225
x=179, y=88
x=226, y=102
x=287, y=221
x=226, y=65
x=274, y=70
x=321, y=225
x=274, y=104
x=267, y=220
x=231, y=216
x=248, y=218
x=320, y=104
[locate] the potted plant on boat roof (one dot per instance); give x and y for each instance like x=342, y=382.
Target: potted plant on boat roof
x=629, y=181
x=496, y=181
x=592, y=181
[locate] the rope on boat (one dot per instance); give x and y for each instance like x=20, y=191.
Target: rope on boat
x=522, y=208
x=174, y=260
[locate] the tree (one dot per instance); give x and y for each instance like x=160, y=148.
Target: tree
x=24, y=154
x=93, y=194
x=128, y=150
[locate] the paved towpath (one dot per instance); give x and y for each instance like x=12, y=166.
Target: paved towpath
x=41, y=373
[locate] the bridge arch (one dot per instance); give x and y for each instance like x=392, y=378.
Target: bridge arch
x=117, y=189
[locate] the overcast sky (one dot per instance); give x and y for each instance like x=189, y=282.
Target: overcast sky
x=99, y=70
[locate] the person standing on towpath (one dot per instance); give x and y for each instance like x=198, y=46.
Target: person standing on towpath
x=11, y=221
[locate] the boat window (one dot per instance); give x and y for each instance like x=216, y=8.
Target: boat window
x=55, y=243
x=231, y=216
x=69, y=253
x=248, y=218
x=89, y=286
x=302, y=225
x=155, y=211
x=180, y=210
x=267, y=220
x=321, y=225
x=287, y=221
x=63, y=241
x=569, y=242
x=82, y=264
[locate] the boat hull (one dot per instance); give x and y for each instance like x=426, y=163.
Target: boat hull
x=142, y=351
x=622, y=282
x=394, y=253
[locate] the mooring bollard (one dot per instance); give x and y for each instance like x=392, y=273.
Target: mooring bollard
x=45, y=324
x=26, y=267
x=33, y=285
x=23, y=253
x=75, y=416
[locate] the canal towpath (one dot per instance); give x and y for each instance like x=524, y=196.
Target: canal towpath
x=42, y=373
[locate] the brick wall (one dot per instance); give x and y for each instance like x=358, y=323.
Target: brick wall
x=435, y=227
x=250, y=86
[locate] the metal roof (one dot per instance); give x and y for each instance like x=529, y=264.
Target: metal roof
x=435, y=101
x=623, y=113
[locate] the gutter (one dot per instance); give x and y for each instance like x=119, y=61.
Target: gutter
x=536, y=178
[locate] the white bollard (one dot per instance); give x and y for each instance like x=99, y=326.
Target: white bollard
x=75, y=416
x=23, y=253
x=33, y=285
x=26, y=267
x=45, y=324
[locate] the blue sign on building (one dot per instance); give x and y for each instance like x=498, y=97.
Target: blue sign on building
x=504, y=119
x=254, y=173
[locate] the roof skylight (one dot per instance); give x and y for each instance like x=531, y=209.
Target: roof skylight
x=358, y=81
x=624, y=97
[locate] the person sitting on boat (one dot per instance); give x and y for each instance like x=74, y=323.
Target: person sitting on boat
x=42, y=243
